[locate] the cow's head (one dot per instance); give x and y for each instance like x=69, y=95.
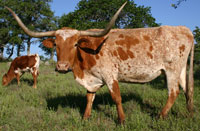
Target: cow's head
x=5, y=80
x=65, y=40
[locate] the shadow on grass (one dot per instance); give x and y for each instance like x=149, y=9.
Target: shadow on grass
x=22, y=80
x=79, y=101
x=28, y=81
x=160, y=82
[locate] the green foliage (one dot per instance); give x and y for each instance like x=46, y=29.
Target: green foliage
x=97, y=13
x=59, y=103
x=196, y=33
x=177, y=3
x=36, y=15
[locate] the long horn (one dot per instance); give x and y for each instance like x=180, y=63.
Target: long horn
x=107, y=29
x=27, y=31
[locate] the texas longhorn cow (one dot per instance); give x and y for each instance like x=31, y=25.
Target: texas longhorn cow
x=98, y=57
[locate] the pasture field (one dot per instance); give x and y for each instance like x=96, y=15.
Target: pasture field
x=59, y=102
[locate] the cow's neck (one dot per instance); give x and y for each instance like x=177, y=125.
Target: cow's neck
x=10, y=74
x=77, y=67
x=86, y=55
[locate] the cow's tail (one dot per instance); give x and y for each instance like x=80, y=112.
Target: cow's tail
x=190, y=83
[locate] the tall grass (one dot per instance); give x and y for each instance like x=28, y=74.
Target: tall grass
x=59, y=103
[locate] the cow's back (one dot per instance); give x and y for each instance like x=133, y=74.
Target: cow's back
x=23, y=62
x=139, y=55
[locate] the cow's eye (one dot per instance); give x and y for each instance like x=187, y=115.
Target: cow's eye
x=76, y=44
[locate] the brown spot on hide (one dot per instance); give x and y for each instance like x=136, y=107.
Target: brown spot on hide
x=121, y=36
x=115, y=53
x=128, y=42
x=122, y=54
x=182, y=48
x=175, y=37
x=101, y=53
x=150, y=48
x=146, y=38
x=130, y=54
x=135, y=41
x=150, y=55
x=97, y=57
x=115, y=88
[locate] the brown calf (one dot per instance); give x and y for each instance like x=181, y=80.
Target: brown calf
x=20, y=65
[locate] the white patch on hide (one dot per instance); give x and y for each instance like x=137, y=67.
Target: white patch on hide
x=183, y=79
x=90, y=86
x=66, y=33
x=37, y=58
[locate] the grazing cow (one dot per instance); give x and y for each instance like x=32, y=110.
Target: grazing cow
x=98, y=57
x=20, y=65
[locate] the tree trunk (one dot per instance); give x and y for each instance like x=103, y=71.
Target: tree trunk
x=18, y=49
x=52, y=54
x=11, y=53
x=1, y=52
x=28, y=46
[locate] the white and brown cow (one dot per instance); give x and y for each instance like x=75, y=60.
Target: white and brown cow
x=21, y=65
x=99, y=57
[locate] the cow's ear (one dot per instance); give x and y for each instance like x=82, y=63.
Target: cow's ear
x=49, y=43
x=83, y=42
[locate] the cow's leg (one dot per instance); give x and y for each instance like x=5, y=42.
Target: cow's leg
x=34, y=74
x=186, y=90
x=18, y=78
x=90, y=99
x=173, y=91
x=115, y=93
x=183, y=82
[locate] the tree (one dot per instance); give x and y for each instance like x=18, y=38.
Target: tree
x=97, y=13
x=4, y=27
x=177, y=3
x=4, y=38
x=35, y=14
x=53, y=25
x=196, y=33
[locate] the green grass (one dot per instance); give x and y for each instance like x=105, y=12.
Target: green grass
x=59, y=103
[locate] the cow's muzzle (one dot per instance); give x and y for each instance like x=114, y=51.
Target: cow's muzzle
x=62, y=67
